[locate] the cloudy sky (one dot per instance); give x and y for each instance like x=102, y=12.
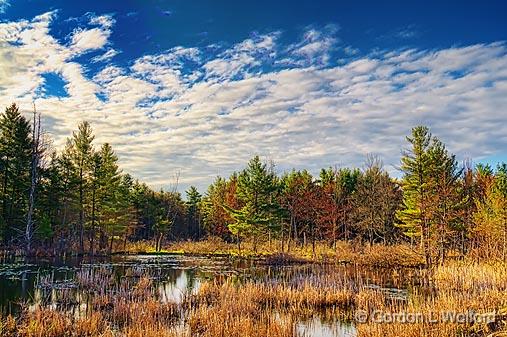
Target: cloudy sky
x=198, y=87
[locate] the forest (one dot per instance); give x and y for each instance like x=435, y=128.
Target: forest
x=77, y=200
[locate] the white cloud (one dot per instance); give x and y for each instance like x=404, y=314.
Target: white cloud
x=84, y=40
x=238, y=61
x=88, y=39
x=106, y=21
x=108, y=74
x=206, y=114
x=4, y=4
x=108, y=55
x=314, y=49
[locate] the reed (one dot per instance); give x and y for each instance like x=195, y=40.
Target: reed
x=273, y=306
x=465, y=299
x=341, y=252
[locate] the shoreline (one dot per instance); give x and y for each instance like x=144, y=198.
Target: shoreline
x=381, y=256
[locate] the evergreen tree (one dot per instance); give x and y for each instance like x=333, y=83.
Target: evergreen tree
x=127, y=221
x=143, y=198
x=430, y=198
x=220, y=196
x=81, y=151
x=93, y=202
x=109, y=176
x=417, y=184
x=257, y=188
x=15, y=158
x=447, y=197
x=193, y=203
x=67, y=181
x=50, y=201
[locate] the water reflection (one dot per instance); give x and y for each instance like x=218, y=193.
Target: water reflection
x=316, y=327
x=53, y=283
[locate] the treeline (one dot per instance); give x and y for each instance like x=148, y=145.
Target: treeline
x=78, y=200
x=439, y=205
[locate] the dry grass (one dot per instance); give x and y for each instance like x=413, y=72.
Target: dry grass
x=457, y=287
x=48, y=323
x=273, y=307
x=231, y=311
x=471, y=277
x=389, y=256
x=270, y=252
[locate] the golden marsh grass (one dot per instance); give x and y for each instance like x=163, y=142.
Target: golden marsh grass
x=273, y=307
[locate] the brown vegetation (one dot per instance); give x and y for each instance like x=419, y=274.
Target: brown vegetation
x=401, y=255
x=272, y=307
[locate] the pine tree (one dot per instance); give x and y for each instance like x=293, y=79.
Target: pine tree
x=15, y=158
x=430, y=193
x=194, y=199
x=220, y=194
x=127, y=220
x=50, y=202
x=67, y=181
x=108, y=204
x=417, y=184
x=447, y=197
x=169, y=213
x=256, y=191
x=81, y=151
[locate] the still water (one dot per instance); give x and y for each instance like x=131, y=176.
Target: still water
x=41, y=282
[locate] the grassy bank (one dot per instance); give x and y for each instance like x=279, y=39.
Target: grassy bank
x=321, y=252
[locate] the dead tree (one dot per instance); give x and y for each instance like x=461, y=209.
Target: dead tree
x=36, y=154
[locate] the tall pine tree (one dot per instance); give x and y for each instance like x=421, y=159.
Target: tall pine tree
x=257, y=187
x=80, y=152
x=15, y=158
x=417, y=184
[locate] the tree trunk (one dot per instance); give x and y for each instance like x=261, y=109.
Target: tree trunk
x=64, y=219
x=158, y=245
x=425, y=244
x=4, y=197
x=282, y=241
x=334, y=233
x=81, y=209
x=504, y=252
x=29, y=230
x=92, y=230
x=313, y=242
x=289, y=237
x=111, y=243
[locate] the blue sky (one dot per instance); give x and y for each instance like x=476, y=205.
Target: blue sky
x=195, y=88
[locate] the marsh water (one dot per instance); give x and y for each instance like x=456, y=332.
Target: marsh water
x=38, y=282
